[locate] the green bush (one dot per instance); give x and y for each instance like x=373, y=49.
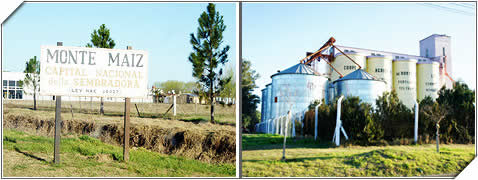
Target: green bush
x=391, y=122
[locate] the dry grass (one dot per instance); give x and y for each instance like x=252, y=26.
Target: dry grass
x=202, y=140
x=188, y=112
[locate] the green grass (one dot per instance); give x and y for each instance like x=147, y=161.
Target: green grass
x=305, y=158
x=273, y=141
x=87, y=156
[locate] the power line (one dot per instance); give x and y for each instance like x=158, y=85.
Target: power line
x=468, y=4
x=461, y=5
x=448, y=9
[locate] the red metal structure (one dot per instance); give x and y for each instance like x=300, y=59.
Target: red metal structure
x=319, y=55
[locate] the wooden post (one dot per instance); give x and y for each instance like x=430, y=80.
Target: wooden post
x=127, y=103
x=71, y=109
x=56, y=149
x=56, y=158
x=126, y=129
x=139, y=115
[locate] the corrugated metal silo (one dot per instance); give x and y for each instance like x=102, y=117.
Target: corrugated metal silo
x=404, y=80
x=296, y=87
x=263, y=104
x=344, y=65
x=380, y=67
x=362, y=84
x=428, y=79
x=269, y=100
x=330, y=92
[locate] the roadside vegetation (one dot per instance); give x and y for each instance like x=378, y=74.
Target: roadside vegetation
x=201, y=140
x=225, y=114
x=393, y=123
x=28, y=155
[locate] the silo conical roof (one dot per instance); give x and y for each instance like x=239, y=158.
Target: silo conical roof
x=297, y=69
x=358, y=74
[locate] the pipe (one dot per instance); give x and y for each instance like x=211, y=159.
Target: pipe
x=446, y=73
x=338, y=122
x=416, y=122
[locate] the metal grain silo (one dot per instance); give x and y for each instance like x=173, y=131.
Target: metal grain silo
x=361, y=84
x=344, y=65
x=296, y=87
x=428, y=79
x=263, y=104
x=268, y=103
x=330, y=93
x=380, y=67
x=404, y=80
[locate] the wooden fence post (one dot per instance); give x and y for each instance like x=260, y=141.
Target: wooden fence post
x=56, y=150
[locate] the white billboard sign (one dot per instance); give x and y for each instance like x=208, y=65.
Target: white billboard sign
x=81, y=71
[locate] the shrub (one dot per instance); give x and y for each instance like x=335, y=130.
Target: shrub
x=391, y=122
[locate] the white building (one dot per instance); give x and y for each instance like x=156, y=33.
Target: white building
x=12, y=91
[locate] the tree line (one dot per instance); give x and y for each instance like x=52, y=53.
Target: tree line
x=452, y=114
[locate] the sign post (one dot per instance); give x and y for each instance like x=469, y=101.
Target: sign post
x=127, y=104
x=56, y=150
x=93, y=72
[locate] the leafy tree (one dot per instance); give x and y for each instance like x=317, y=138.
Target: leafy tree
x=209, y=56
x=437, y=113
x=459, y=125
x=32, y=78
x=249, y=100
x=230, y=88
x=177, y=86
x=426, y=126
x=101, y=39
x=395, y=118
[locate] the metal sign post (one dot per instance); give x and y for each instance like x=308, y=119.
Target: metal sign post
x=56, y=151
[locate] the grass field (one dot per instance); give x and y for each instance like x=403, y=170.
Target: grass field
x=262, y=153
x=224, y=114
x=27, y=155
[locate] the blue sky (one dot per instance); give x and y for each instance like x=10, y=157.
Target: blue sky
x=162, y=29
x=276, y=36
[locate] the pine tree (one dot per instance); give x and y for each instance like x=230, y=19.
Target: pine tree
x=208, y=56
x=101, y=39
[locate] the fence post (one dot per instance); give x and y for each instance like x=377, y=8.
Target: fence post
x=416, y=123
